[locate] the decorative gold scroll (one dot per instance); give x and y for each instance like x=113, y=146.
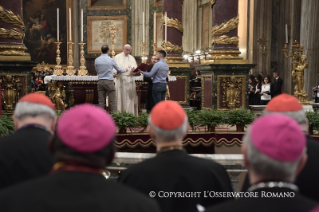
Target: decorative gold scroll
x=173, y=23
x=11, y=33
x=225, y=27
x=169, y=47
x=9, y=17
x=224, y=39
x=212, y=2
x=13, y=50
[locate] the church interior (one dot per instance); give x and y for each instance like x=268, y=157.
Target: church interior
x=219, y=54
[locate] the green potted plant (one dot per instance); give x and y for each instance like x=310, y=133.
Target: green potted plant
x=143, y=121
x=313, y=121
x=124, y=120
x=6, y=125
x=239, y=118
x=193, y=120
x=211, y=119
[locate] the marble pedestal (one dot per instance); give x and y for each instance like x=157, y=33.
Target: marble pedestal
x=222, y=83
x=15, y=82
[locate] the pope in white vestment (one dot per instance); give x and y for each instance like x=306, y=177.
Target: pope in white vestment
x=125, y=87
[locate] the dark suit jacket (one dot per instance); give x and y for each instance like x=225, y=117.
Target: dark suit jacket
x=264, y=203
x=307, y=180
x=276, y=87
x=24, y=155
x=74, y=191
x=149, y=96
x=176, y=171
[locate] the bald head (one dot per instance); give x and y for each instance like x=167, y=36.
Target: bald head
x=127, y=49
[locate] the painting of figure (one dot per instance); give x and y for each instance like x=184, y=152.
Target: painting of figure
x=40, y=19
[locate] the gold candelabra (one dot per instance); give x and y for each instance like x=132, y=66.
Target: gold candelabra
x=144, y=58
x=298, y=67
x=112, y=29
x=154, y=48
x=70, y=69
x=82, y=71
x=58, y=68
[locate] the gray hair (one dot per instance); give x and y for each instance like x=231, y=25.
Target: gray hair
x=299, y=116
x=127, y=45
x=169, y=135
x=268, y=168
x=24, y=109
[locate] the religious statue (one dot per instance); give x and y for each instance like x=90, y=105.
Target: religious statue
x=298, y=78
x=231, y=90
x=57, y=95
x=10, y=91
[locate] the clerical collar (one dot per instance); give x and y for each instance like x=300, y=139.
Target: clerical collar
x=62, y=166
x=273, y=184
x=165, y=149
x=34, y=126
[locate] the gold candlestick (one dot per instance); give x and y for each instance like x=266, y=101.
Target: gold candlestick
x=154, y=48
x=82, y=71
x=298, y=67
x=144, y=58
x=58, y=68
x=70, y=69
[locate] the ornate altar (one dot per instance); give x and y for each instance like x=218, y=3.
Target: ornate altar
x=67, y=91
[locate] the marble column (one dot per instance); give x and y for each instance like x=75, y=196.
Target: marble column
x=288, y=13
x=260, y=27
x=309, y=38
x=190, y=25
x=225, y=45
x=138, y=7
x=12, y=32
x=173, y=46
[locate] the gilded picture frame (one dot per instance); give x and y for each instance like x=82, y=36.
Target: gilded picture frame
x=98, y=35
x=107, y=5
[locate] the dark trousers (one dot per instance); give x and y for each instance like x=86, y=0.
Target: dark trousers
x=106, y=87
x=159, y=92
x=264, y=102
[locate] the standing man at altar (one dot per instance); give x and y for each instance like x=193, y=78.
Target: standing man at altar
x=104, y=67
x=159, y=74
x=125, y=87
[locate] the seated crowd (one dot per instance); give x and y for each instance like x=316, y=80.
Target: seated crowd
x=57, y=165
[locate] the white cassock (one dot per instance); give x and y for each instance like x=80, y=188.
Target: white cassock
x=125, y=87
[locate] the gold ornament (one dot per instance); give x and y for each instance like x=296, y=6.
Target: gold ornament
x=225, y=27
x=169, y=47
x=173, y=23
x=9, y=17
x=11, y=33
x=224, y=39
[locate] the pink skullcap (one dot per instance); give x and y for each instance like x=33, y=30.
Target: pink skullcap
x=284, y=103
x=86, y=128
x=168, y=115
x=279, y=137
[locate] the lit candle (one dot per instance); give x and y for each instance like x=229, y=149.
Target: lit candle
x=57, y=24
x=286, y=33
x=70, y=24
x=165, y=26
x=82, y=25
x=143, y=27
x=154, y=28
